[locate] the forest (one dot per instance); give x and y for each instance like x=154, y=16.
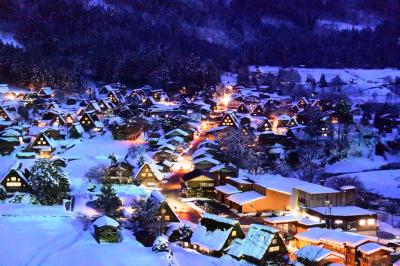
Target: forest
x=185, y=42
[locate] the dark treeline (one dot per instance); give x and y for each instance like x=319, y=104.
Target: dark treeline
x=156, y=41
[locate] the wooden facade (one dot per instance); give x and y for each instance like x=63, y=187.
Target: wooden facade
x=15, y=181
x=149, y=175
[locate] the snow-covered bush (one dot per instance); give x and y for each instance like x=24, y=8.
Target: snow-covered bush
x=96, y=173
x=161, y=244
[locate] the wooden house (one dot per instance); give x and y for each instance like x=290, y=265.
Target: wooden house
x=119, y=173
x=43, y=145
x=205, y=163
x=53, y=106
x=105, y=89
x=8, y=144
x=214, y=234
x=199, y=179
x=222, y=172
x=371, y=254
x=346, y=218
x=58, y=120
x=302, y=103
x=46, y=92
x=178, y=133
x=92, y=106
x=16, y=179
x=106, y=230
x=265, y=126
x=164, y=210
x=230, y=120
x=258, y=110
x=114, y=97
x=357, y=249
x=76, y=131
x=106, y=105
x=243, y=109
x=4, y=114
x=261, y=245
x=89, y=121
x=318, y=256
x=149, y=175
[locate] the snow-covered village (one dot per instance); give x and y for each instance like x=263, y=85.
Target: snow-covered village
x=160, y=159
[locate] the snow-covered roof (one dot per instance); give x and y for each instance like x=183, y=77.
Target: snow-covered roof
x=207, y=159
x=343, y=211
x=370, y=248
x=245, y=197
x=255, y=244
x=315, y=253
x=227, y=189
x=179, y=131
x=213, y=240
x=105, y=221
x=220, y=219
x=323, y=235
x=286, y=184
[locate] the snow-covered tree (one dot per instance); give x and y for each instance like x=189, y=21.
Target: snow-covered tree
x=113, y=158
x=161, y=244
x=96, y=173
x=185, y=233
x=108, y=200
x=48, y=182
x=146, y=214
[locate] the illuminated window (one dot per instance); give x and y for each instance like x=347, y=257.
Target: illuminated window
x=13, y=184
x=371, y=221
x=167, y=218
x=338, y=221
x=361, y=222
x=13, y=178
x=273, y=249
x=274, y=241
x=233, y=233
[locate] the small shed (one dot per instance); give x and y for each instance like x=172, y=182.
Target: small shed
x=106, y=229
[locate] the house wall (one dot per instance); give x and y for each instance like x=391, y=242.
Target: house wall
x=304, y=199
x=381, y=257
x=147, y=177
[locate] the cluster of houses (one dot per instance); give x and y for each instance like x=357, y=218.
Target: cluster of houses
x=263, y=244
x=319, y=223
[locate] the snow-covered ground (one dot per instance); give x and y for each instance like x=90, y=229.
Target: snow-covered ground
x=363, y=85
x=384, y=182
x=62, y=241
x=346, y=74
x=356, y=164
x=8, y=38
x=342, y=25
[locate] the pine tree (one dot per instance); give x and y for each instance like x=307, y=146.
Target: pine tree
x=48, y=181
x=108, y=200
x=185, y=233
x=3, y=193
x=322, y=81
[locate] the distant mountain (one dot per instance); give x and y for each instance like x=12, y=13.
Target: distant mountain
x=156, y=41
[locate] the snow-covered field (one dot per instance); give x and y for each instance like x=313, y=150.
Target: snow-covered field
x=363, y=85
x=347, y=74
x=352, y=164
x=61, y=241
x=383, y=182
